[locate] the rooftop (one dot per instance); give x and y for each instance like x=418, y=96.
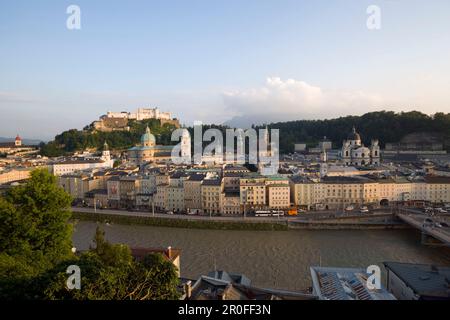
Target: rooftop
x=212, y=182
x=196, y=177
x=345, y=284
x=437, y=180
x=347, y=180
x=427, y=281
x=276, y=178
x=221, y=286
x=80, y=161
x=178, y=175
x=278, y=185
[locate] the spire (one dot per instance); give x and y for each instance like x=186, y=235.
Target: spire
x=105, y=146
x=147, y=130
x=354, y=129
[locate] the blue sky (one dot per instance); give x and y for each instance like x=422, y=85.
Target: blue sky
x=215, y=60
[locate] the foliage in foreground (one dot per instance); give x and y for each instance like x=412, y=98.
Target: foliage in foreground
x=36, y=249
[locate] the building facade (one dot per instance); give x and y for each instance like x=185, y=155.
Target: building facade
x=355, y=153
x=211, y=195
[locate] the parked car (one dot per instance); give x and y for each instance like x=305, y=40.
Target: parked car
x=349, y=208
x=441, y=210
x=169, y=212
x=364, y=209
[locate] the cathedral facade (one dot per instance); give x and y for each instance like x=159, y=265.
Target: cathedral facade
x=149, y=151
x=355, y=153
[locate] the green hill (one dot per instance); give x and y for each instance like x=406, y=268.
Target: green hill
x=77, y=140
x=387, y=126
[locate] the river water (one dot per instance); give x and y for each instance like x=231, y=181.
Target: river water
x=277, y=259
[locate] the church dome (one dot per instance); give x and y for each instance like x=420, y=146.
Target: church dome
x=148, y=138
x=354, y=135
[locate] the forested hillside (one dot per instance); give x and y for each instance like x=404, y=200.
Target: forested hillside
x=77, y=140
x=386, y=126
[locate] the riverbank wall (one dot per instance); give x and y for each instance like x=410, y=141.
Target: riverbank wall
x=345, y=226
x=182, y=223
x=262, y=225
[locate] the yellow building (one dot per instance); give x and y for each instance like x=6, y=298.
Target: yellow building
x=438, y=189
x=11, y=175
x=211, y=194
x=230, y=203
x=339, y=192
x=193, y=193
x=278, y=196
x=253, y=192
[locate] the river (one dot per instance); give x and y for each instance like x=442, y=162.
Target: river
x=278, y=259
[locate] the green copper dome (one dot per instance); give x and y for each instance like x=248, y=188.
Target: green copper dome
x=147, y=138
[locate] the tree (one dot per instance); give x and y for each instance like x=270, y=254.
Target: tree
x=34, y=218
x=34, y=230
x=108, y=272
x=35, y=251
x=154, y=279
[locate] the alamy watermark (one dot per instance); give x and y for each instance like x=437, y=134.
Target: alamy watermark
x=263, y=146
x=374, y=19
x=374, y=280
x=74, y=279
x=73, y=21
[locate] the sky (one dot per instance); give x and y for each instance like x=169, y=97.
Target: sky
x=219, y=60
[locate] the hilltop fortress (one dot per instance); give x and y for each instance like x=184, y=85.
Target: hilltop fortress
x=118, y=121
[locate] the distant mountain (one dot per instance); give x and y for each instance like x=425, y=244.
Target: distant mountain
x=28, y=142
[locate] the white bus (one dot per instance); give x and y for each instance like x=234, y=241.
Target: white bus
x=263, y=213
x=269, y=213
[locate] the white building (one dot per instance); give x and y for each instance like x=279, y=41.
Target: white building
x=69, y=166
x=141, y=114
x=355, y=153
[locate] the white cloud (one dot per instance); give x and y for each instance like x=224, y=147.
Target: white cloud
x=291, y=99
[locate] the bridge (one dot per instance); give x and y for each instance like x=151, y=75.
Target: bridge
x=432, y=233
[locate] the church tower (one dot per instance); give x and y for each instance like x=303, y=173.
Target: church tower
x=106, y=156
x=18, y=141
x=375, y=152
x=186, y=144
x=346, y=153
